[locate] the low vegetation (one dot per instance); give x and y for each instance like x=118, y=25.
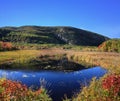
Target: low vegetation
x=107, y=60
x=17, y=58
x=15, y=91
x=27, y=58
x=105, y=89
x=110, y=46
x=6, y=46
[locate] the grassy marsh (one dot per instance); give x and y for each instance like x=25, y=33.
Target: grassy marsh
x=108, y=60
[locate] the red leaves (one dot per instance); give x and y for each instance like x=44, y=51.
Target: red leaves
x=11, y=90
x=112, y=84
x=5, y=45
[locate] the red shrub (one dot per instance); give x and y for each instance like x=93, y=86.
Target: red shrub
x=14, y=91
x=112, y=84
x=5, y=45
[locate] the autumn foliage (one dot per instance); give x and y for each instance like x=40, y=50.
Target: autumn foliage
x=15, y=91
x=110, y=46
x=112, y=84
x=5, y=46
x=12, y=90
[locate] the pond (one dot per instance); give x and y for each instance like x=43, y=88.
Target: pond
x=58, y=83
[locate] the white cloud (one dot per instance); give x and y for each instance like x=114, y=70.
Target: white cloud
x=25, y=76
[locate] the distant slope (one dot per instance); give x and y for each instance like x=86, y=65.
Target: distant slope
x=53, y=35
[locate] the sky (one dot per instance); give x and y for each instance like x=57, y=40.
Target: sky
x=100, y=16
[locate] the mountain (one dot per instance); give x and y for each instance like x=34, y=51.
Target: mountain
x=51, y=35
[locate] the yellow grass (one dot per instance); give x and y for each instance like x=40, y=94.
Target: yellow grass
x=18, y=56
x=105, y=59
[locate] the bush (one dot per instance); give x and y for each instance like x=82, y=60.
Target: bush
x=15, y=91
x=6, y=46
x=112, y=84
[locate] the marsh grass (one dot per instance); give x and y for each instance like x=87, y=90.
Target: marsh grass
x=108, y=60
x=17, y=58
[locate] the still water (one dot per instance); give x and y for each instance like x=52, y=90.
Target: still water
x=58, y=83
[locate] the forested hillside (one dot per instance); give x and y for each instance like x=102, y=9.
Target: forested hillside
x=50, y=35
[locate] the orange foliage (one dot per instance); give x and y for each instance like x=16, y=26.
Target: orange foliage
x=12, y=90
x=5, y=45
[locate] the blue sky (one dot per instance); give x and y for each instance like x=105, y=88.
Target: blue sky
x=101, y=16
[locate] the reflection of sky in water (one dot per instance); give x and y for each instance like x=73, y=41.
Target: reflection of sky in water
x=59, y=83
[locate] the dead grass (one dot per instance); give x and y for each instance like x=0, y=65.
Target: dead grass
x=108, y=60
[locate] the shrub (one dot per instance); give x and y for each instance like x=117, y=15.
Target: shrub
x=15, y=91
x=112, y=84
x=6, y=46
